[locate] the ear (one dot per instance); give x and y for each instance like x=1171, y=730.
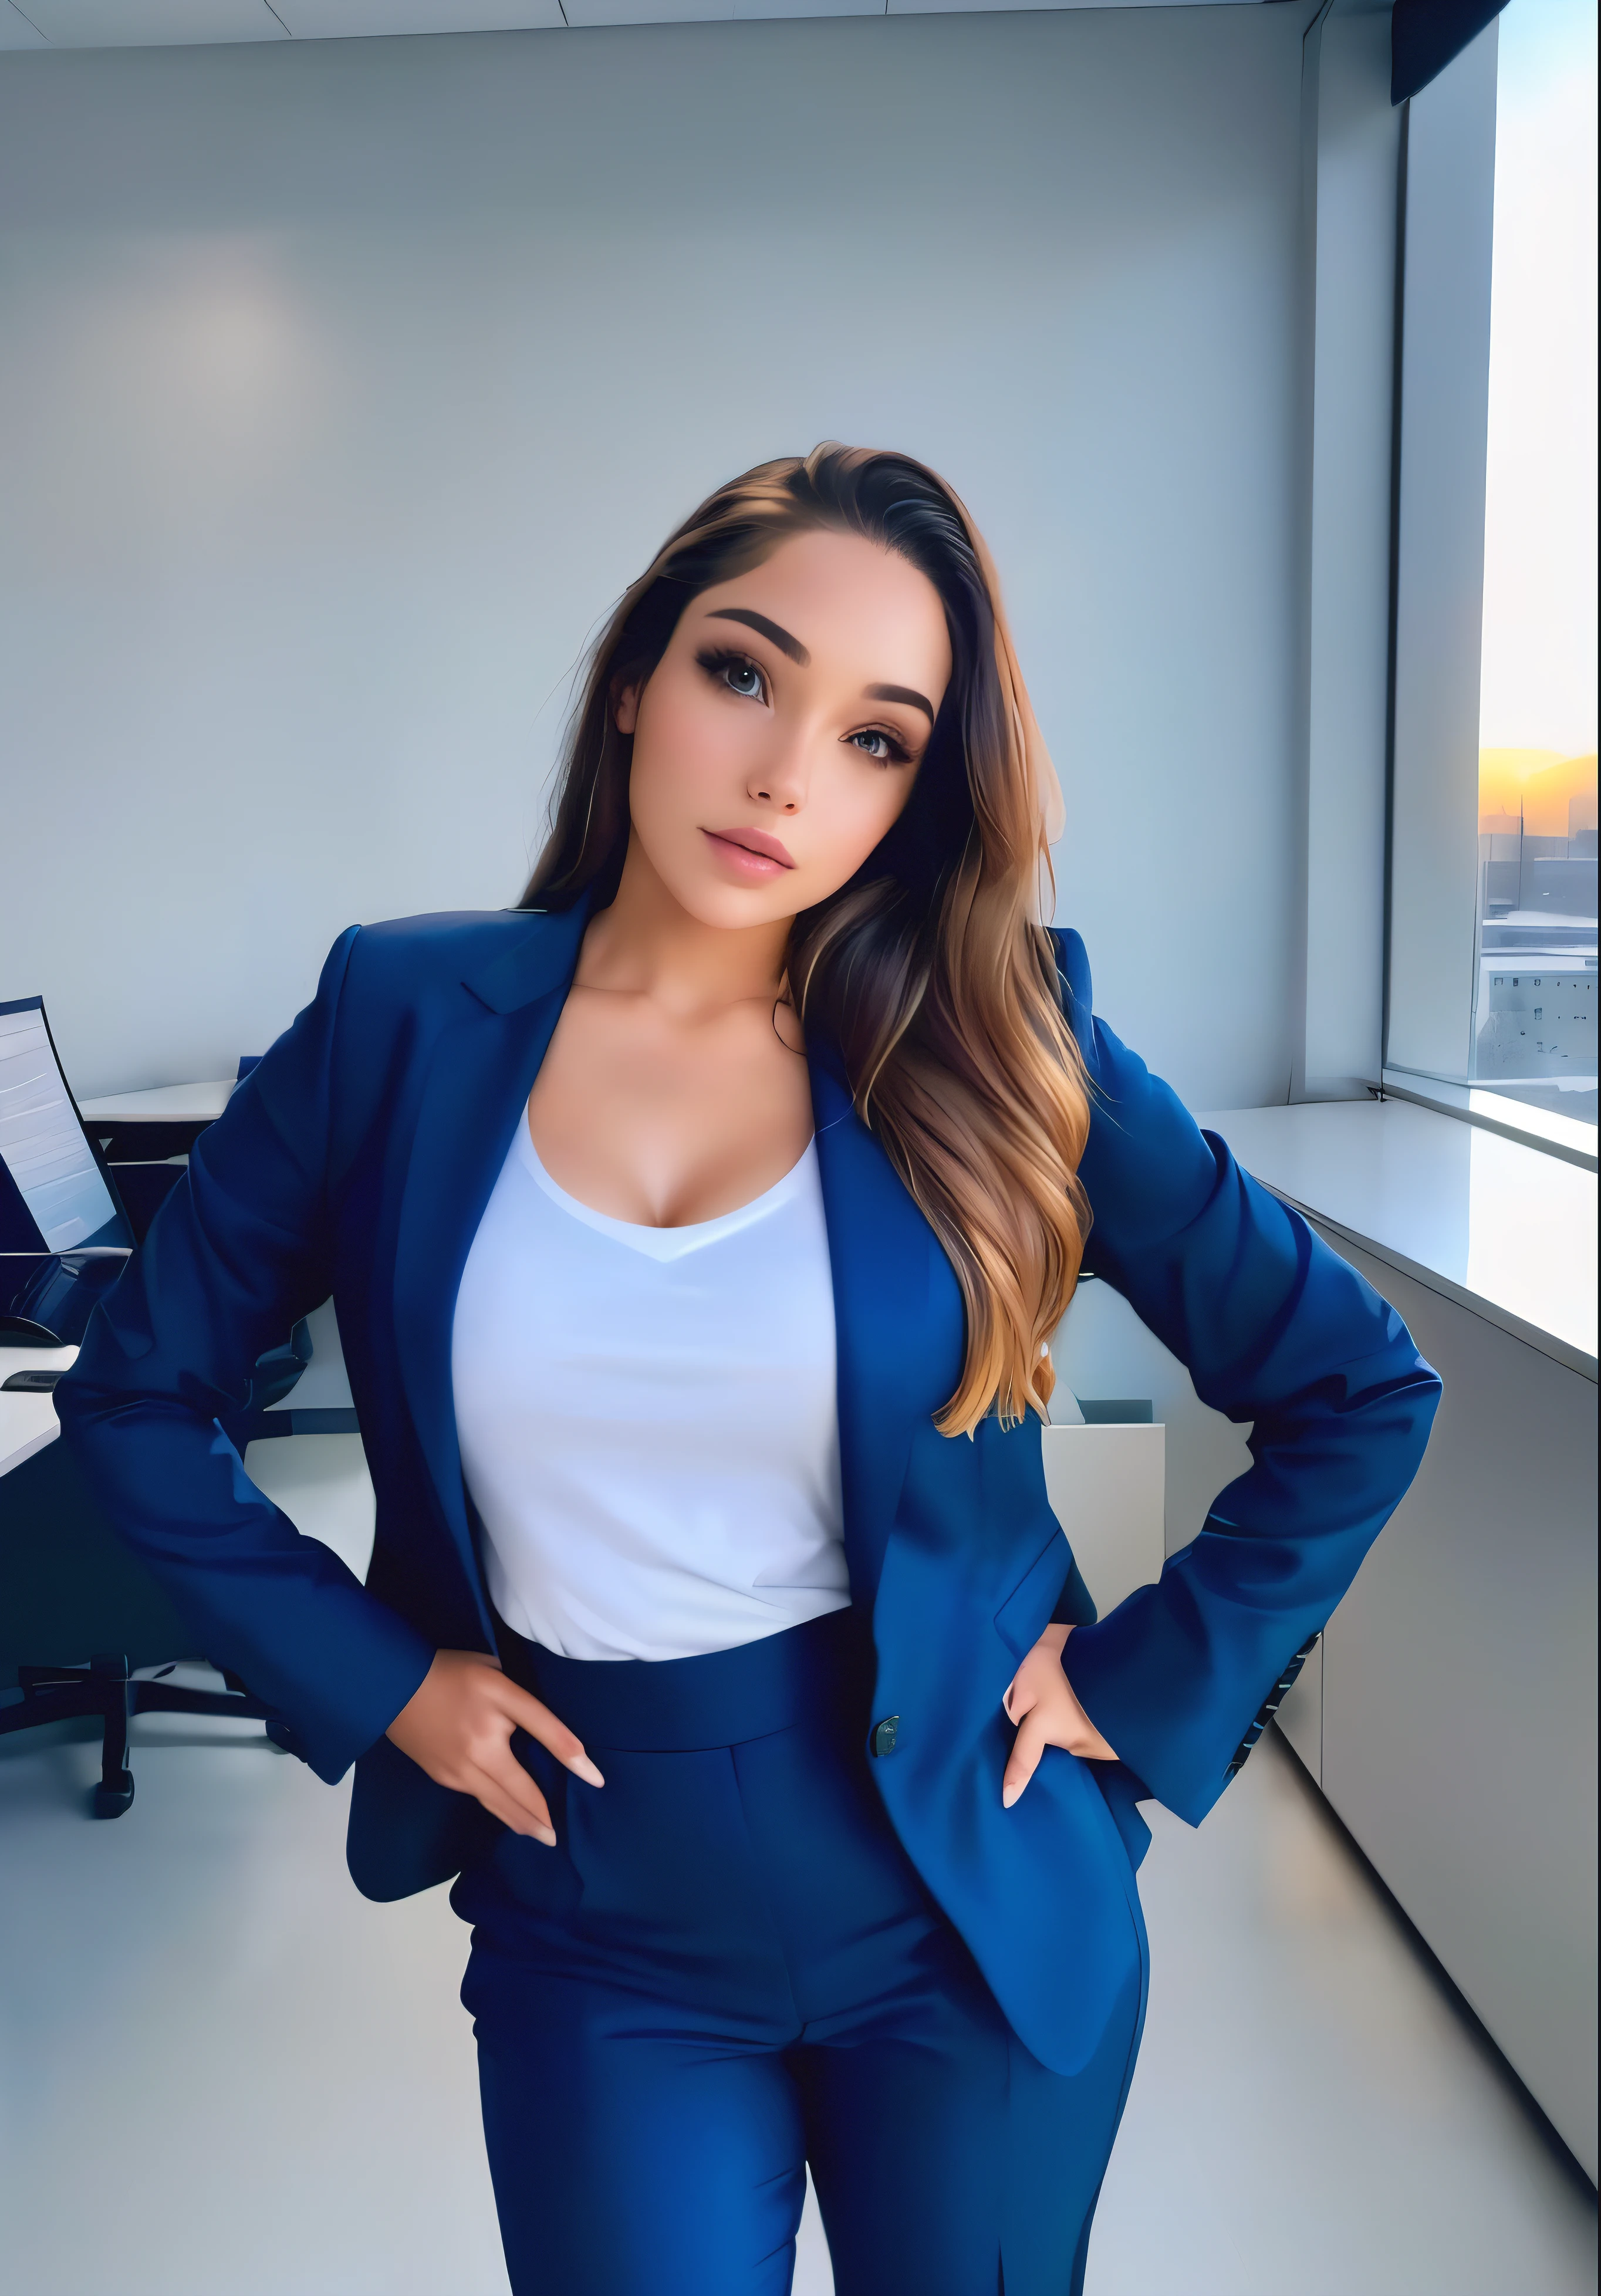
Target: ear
x=625, y=709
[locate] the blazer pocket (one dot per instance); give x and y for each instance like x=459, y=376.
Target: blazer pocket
x=1026, y=1612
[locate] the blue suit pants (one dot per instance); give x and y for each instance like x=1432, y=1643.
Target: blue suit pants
x=728, y=1968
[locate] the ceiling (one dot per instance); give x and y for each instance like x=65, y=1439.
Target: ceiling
x=193, y=23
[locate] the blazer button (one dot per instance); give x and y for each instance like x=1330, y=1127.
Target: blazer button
x=884, y=1734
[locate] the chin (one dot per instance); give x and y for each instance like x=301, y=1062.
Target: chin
x=702, y=892
x=727, y=909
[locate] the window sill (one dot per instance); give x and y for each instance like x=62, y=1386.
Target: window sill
x=1513, y=1119
x=1506, y=1229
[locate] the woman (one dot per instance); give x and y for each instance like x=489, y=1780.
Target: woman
x=696, y=1232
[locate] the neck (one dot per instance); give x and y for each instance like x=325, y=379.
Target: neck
x=647, y=944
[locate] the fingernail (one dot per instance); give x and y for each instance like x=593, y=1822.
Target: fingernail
x=1009, y=1795
x=546, y=1834
x=583, y=1767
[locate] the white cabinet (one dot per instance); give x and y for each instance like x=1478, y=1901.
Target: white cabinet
x=1451, y=1716
x=1106, y=1487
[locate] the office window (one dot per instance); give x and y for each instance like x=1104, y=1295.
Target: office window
x=1534, y=1020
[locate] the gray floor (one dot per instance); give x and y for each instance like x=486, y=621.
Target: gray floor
x=212, y=2048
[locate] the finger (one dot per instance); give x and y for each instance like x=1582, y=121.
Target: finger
x=1026, y=1749
x=508, y=1791
x=493, y=1757
x=1080, y=1736
x=530, y=1715
x=513, y=1776
x=511, y=1815
x=1085, y=1740
x=1019, y=1699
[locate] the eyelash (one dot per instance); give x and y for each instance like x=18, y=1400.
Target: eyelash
x=716, y=661
x=898, y=754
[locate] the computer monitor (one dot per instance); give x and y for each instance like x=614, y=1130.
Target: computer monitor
x=46, y=1153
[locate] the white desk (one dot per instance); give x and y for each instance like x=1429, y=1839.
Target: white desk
x=167, y=1103
x=28, y=1422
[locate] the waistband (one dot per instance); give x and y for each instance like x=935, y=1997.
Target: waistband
x=815, y=1672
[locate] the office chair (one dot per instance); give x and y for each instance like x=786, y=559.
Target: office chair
x=68, y=1585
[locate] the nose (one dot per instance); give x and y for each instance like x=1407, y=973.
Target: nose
x=779, y=780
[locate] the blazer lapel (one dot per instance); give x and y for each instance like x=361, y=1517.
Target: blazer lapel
x=897, y=1309
x=472, y=1095
x=897, y=1318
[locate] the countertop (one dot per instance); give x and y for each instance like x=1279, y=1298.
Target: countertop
x=1506, y=1229
x=168, y=1104
x=28, y=1422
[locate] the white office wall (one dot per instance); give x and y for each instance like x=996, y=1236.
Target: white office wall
x=344, y=385
x=1350, y=253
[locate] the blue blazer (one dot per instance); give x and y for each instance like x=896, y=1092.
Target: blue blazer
x=358, y=1159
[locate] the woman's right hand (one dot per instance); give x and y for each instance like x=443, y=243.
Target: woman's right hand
x=457, y=1725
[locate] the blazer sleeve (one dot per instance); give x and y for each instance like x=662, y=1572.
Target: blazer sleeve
x=1276, y=1330
x=238, y=1251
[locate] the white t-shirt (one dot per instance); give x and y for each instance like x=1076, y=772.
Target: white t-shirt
x=648, y=1421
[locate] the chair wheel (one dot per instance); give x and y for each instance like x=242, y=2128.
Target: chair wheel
x=110, y=1801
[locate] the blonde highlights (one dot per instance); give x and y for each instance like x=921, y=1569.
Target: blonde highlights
x=929, y=970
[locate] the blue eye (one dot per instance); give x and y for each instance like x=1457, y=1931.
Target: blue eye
x=886, y=749
x=736, y=672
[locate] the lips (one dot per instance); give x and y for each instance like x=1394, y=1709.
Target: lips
x=757, y=842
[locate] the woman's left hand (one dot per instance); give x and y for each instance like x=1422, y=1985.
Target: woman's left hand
x=1043, y=1703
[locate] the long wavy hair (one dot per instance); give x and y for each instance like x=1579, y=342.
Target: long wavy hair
x=929, y=970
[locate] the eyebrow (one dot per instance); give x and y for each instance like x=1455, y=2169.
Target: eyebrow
x=901, y=694
x=799, y=653
x=760, y=623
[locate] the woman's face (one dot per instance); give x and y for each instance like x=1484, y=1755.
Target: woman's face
x=778, y=738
